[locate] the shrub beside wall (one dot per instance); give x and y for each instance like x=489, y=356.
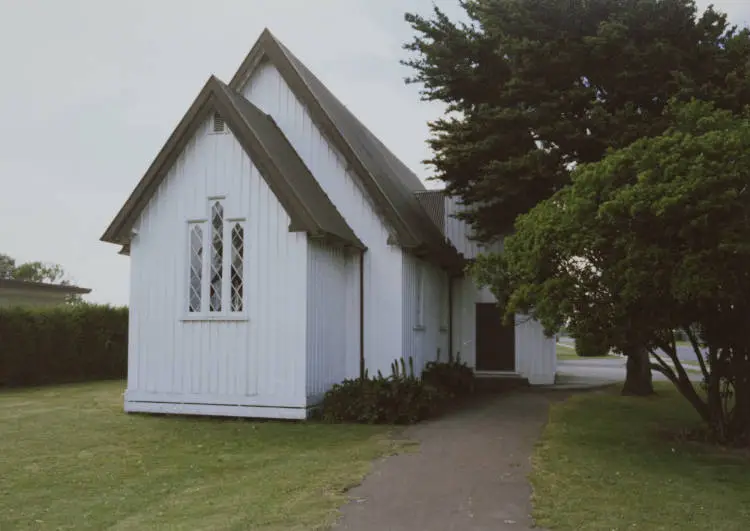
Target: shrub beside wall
x=41, y=346
x=402, y=397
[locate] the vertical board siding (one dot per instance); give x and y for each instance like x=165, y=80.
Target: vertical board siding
x=535, y=353
x=433, y=202
x=332, y=348
x=464, y=320
x=383, y=305
x=458, y=232
x=422, y=344
x=257, y=362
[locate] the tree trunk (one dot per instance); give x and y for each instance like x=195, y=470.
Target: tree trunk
x=638, y=380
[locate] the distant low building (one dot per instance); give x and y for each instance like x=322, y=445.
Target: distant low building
x=22, y=293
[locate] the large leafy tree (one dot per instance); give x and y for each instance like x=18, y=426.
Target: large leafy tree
x=534, y=87
x=653, y=237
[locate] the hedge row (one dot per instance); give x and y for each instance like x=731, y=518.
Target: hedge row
x=41, y=346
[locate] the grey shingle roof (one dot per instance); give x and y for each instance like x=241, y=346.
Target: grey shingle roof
x=388, y=181
x=298, y=191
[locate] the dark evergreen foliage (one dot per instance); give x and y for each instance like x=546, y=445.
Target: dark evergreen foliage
x=537, y=86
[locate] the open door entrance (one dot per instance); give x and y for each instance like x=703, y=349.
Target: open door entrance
x=496, y=342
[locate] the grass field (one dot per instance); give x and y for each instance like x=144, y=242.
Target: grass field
x=611, y=462
x=71, y=459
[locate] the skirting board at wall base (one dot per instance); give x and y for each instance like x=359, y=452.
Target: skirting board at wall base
x=286, y=413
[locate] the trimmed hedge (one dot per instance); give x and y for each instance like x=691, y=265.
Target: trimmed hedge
x=78, y=343
x=591, y=345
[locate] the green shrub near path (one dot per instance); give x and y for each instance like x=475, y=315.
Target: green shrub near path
x=402, y=398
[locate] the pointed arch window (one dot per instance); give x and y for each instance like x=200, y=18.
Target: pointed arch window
x=216, y=270
x=196, y=268
x=216, y=265
x=236, y=268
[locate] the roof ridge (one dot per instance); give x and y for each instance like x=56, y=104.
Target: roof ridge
x=388, y=181
x=310, y=209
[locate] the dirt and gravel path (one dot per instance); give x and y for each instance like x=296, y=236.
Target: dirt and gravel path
x=469, y=473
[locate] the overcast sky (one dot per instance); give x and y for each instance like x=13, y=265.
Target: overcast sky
x=92, y=89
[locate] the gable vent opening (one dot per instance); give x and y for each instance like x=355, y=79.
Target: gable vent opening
x=219, y=126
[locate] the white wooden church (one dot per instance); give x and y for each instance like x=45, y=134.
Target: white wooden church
x=277, y=247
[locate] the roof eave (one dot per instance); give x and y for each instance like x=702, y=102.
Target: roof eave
x=215, y=96
x=268, y=46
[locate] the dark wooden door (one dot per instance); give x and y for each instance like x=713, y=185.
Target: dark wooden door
x=496, y=342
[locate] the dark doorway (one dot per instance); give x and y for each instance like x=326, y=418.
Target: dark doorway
x=496, y=342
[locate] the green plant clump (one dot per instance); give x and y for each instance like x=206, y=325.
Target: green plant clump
x=401, y=398
x=453, y=378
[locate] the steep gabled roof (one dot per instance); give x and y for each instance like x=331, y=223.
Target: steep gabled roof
x=289, y=179
x=388, y=181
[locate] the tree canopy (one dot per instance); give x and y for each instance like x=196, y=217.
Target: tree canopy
x=534, y=87
x=653, y=237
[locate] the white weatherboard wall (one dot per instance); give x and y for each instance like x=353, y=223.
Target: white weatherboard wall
x=535, y=352
x=458, y=231
x=253, y=367
x=332, y=318
x=536, y=359
x=383, y=263
x=422, y=340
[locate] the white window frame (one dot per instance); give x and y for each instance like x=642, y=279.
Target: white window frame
x=226, y=313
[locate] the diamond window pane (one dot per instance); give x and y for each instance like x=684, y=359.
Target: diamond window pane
x=217, y=256
x=196, y=268
x=238, y=250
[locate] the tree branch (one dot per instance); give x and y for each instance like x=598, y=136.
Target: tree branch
x=698, y=353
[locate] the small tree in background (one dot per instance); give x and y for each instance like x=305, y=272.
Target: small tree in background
x=7, y=266
x=36, y=272
x=654, y=237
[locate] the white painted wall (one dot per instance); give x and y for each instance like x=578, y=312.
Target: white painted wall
x=421, y=343
x=535, y=353
x=383, y=263
x=536, y=359
x=332, y=318
x=458, y=232
x=217, y=367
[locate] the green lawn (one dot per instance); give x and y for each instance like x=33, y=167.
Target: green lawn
x=71, y=459
x=610, y=462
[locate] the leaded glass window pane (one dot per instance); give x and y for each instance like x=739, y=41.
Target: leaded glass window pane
x=196, y=268
x=217, y=256
x=238, y=250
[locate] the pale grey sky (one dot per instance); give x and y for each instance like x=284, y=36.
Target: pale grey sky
x=92, y=89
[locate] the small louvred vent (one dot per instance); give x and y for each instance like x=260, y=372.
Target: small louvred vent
x=219, y=125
